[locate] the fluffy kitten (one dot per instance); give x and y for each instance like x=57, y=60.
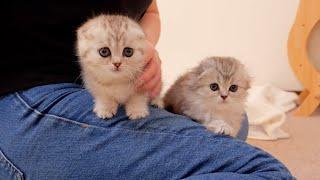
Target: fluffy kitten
x=213, y=94
x=111, y=50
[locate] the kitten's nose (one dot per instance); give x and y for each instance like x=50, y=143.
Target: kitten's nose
x=224, y=97
x=117, y=65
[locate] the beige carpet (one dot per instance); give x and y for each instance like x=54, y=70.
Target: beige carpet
x=301, y=152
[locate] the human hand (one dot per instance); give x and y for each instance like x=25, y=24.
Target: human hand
x=150, y=80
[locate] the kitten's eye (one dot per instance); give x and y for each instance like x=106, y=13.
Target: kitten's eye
x=214, y=86
x=127, y=52
x=104, y=52
x=233, y=88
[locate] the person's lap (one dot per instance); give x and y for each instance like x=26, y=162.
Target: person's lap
x=50, y=132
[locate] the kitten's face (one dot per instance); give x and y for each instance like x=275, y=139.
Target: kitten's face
x=112, y=47
x=223, y=81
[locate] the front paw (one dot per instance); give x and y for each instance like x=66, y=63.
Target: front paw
x=157, y=102
x=220, y=127
x=103, y=111
x=137, y=112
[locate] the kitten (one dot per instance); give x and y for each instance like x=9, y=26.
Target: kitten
x=111, y=50
x=213, y=93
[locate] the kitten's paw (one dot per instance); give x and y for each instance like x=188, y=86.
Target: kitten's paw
x=157, y=102
x=220, y=127
x=104, y=111
x=137, y=112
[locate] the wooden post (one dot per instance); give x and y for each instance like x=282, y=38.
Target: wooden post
x=307, y=17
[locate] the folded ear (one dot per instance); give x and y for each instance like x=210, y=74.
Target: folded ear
x=192, y=78
x=248, y=78
x=83, y=31
x=200, y=71
x=248, y=82
x=84, y=35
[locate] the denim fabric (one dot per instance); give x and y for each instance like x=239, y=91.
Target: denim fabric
x=50, y=132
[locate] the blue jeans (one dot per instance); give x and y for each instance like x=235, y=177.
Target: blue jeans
x=50, y=132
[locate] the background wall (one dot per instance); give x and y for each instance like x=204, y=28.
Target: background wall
x=255, y=32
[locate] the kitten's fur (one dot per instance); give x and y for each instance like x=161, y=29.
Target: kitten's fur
x=109, y=85
x=191, y=94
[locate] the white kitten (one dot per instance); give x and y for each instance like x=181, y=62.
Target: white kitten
x=111, y=50
x=213, y=94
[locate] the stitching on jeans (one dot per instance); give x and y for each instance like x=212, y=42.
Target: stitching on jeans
x=98, y=127
x=16, y=171
x=50, y=115
x=44, y=97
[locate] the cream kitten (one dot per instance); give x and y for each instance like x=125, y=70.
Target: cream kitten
x=213, y=93
x=111, y=50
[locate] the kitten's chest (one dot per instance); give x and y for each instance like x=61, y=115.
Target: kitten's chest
x=120, y=92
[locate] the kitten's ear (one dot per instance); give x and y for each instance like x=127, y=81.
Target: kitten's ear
x=247, y=77
x=83, y=31
x=249, y=82
x=205, y=66
x=191, y=79
x=199, y=72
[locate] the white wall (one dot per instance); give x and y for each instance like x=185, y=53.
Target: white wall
x=254, y=31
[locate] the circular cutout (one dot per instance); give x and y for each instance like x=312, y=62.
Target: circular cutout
x=314, y=46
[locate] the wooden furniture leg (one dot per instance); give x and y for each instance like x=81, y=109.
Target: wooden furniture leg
x=308, y=106
x=303, y=95
x=307, y=17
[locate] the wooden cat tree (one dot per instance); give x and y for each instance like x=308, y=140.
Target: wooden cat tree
x=307, y=17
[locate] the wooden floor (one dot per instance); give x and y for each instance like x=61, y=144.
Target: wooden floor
x=301, y=152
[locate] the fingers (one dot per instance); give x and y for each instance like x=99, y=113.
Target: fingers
x=150, y=80
x=156, y=91
x=150, y=52
x=150, y=85
x=150, y=71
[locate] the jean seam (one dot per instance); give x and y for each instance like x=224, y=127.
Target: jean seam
x=13, y=168
x=83, y=125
